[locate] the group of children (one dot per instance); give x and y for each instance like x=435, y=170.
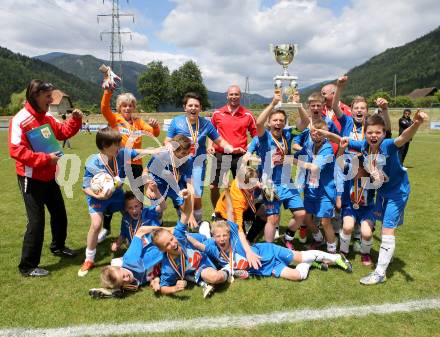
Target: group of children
x=352, y=169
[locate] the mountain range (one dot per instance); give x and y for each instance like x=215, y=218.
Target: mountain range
x=17, y=70
x=85, y=67
x=415, y=65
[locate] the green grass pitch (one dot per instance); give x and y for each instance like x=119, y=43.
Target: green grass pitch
x=62, y=299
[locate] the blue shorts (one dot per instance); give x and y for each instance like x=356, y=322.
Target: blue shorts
x=274, y=259
x=359, y=215
x=198, y=179
x=322, y=207
x=390, y=210
x=168, y=192
x=113, y=204
x=289, y=197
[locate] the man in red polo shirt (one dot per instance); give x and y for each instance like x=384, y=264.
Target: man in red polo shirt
x=232, y=122
x=328, y=91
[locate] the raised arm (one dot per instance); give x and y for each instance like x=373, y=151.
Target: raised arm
x=330, y=135
x=144, y=230
x=187, y=207
x=340, y=84
x=382, y=103
x=304, y=119
x=406, y=135
x=200, y=246
x=261, y=120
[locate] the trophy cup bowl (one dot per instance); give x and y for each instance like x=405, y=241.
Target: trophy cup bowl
x=284, y=55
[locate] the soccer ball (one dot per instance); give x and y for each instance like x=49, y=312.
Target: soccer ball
x=102, y=182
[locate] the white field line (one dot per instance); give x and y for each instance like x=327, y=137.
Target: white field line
x=220, y=322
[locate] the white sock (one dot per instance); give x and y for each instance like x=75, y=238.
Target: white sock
x=386, y=252
x=331, y=247
x=366, y=246
x=308, y=256
x=318, y=236
x=226, y=274
x=303, y=269
x=198, y=215
x=344, y=242
x=90, y=254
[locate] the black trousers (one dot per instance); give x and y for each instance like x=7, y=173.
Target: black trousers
x=229, y=162
x=402, y=152
x=37, y=194
x=137, y=172
x=258, y=223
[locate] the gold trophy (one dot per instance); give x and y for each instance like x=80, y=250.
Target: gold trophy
x=284, y=54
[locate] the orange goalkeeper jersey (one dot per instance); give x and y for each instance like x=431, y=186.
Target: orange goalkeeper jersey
x=118, y=122
x=239, y=204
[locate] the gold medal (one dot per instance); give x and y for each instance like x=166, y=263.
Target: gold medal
x=356, y=206
x=283, y=148
x=194, y=135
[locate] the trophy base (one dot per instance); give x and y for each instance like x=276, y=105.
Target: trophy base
x=288, y=106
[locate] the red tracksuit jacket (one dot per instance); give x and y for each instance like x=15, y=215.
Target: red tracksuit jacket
x=36, y=165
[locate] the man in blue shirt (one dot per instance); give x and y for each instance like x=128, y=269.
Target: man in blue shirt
x=197, y=129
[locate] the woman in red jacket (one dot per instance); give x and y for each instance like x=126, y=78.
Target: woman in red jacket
x=36, y=175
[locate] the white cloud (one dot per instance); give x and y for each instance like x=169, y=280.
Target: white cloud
x=228, y=39
x=231, y=42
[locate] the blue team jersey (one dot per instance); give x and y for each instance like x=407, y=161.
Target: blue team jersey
x=351, y=129
x=396, y=181
x=161, y=170
x=142, y=258
x=272, y=157
x=363, y=196
x=129, y=226
x=331, y=126
x=95, y=165
x=324, y=159
x=239, y=254
x=274, y=258
x=253, y=145
x=195, y=260
x=179, y=126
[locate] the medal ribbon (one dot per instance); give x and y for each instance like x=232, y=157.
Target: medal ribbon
x=278, y=144
x=356, y=134
x=358, y=196
x=175, y=169
x=230, y=260
x=194, y=134
x=133, y=232
x=114, y=173
x=372, y=158
x=250, y=200
x=182, y=265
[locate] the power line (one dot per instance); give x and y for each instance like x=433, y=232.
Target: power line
x=247, y=94
x=116, y=46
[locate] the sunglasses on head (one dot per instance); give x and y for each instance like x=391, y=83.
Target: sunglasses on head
x=46, y=86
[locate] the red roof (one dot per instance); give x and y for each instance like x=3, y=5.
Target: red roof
x=58, y=95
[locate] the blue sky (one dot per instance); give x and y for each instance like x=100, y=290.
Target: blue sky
x=228, y=39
